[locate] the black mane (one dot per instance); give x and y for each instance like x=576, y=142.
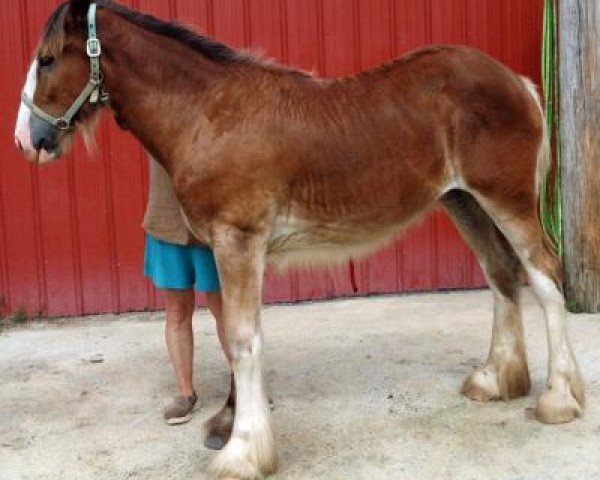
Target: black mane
x=211, y=49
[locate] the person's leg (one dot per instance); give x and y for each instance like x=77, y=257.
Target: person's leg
x=179, y=307
x=170, y=268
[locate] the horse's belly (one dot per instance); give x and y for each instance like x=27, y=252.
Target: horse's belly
x=305, y=241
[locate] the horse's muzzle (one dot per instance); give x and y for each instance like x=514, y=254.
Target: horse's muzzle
x=45, y=150
x=44, y=136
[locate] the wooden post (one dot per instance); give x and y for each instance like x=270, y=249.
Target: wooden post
x=579, y=57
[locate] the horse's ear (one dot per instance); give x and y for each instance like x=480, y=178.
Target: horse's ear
x=79, y=8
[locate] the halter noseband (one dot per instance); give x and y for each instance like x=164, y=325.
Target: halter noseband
x=93, y=90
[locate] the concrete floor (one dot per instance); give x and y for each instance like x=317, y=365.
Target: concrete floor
x=363, y=389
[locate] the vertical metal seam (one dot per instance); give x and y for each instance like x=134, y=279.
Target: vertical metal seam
x=75, y=239
x=110, y=220
x=320, y=7
x=210, y=20
x=428, y=26
x=4, y=278
x=283, y=21
x=5, y=294
x=247, y=24
x=393, y=36
x=502, y=31
x=465, y=35
x=358, y=60
x=33, y=180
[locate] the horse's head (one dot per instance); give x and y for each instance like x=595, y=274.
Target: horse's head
x=63, y=89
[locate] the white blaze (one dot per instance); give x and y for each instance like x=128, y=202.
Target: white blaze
x=22, y=129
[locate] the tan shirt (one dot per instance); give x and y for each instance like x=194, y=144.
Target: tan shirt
x=164, y=219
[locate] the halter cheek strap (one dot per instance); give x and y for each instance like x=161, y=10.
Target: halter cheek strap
x=92, y=91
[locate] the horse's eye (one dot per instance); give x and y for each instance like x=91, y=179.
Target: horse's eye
x=46, y=61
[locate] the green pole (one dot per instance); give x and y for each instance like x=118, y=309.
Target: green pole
x=551, y=188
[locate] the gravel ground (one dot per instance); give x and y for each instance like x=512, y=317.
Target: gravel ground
x=363, y=389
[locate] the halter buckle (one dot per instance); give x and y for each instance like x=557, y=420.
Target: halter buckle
x=93, y=48
x=62, y=124
x=104, y=98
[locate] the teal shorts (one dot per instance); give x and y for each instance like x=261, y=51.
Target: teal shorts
x=170, y=265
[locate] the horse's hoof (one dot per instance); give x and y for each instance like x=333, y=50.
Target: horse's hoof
x=481, y=385
x=215, y=442
x=218, y=429
x=555, y=407
x=499, y=381
x=250, y=458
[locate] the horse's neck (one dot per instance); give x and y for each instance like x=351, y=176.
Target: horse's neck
x=156, y=85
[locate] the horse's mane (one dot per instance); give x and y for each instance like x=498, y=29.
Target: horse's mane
x=215, y=51
x=212, y=50
x=53, y=36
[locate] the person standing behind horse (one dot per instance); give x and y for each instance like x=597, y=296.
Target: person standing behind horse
x=178, y=265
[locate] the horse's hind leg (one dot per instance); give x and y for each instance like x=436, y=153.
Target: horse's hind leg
x=505, y=374
x=564, y=396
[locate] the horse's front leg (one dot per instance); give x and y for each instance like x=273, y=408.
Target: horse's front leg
x=250, y=452
x=220, y=425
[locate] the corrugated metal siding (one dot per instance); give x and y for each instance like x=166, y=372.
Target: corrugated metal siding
x=70, y=241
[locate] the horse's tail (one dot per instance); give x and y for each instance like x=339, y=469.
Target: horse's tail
x=544, y=164
x=544, y=160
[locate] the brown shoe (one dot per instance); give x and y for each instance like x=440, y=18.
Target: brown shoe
x=180, y=409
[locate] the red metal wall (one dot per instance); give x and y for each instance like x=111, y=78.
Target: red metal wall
x=70, y=241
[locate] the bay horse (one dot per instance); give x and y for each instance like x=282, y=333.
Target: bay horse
x=271, y=163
